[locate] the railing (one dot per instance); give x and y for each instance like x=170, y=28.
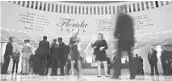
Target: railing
x=90, y=9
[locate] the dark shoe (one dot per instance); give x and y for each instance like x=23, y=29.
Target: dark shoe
x=132, y=77
x=3, y=73
x=157, y=74
x=152, y=74
x=42, y=74
x=53, y=75
x=115, y=77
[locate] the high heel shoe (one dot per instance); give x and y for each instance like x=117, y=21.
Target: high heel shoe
x=98, y=75
x=106, y=75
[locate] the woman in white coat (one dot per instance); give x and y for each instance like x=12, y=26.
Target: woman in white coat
x=27, y=51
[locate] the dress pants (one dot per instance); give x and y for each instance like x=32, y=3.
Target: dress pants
x=42, y=66
x=48, y=64
x=54, y=65
x=36, y=67
x=5, y=65
x=25, y=65
x=15, y=64
x=154, y=66
x=62, y=64
x=166, y=68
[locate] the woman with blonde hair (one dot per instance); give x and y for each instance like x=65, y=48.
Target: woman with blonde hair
x=100, y=46
x=74, y=44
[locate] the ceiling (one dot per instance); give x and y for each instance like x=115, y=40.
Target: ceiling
x=92, y=2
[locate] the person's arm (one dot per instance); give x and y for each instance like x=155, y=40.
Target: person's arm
x=39, y=44
x=8, y=49
x=49, y=46
x=148, y=56
x=106, y=46
x=93, y=44
x=117, y=31
x=156, y=56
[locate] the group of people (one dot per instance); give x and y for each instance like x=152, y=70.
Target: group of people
x=166, y=60
x=58, y=53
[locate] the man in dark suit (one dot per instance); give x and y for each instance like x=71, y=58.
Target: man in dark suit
x=7, y=55
x=152, y=58
x=43, y=52
x=62, y=54
x=54, y=56
x=165, y=61
x=124, y=32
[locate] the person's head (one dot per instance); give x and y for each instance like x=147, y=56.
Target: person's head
x=153, y=47
x=136, y=55
x=140, y=57
x=54, y=40
x=11, y=39
x=28, y=41
x=60, y=39
x=75, y=32
x=25, y=41
x=122, y=8
x=100, y=36
x=44, y=37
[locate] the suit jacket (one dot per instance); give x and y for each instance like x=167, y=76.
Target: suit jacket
x=9, y=49
x=54, y=51
x=27, y=50
x=63, y=51
x=44, y=47
x=165, y=55
x=152, y=57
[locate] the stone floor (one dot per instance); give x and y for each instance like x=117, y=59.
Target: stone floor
x=14, y=77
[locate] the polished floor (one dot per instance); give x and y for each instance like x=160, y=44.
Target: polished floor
x=14, y=77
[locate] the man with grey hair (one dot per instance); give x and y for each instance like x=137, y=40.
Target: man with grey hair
x=124, y=33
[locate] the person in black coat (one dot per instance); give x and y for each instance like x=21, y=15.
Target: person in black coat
x=141, y=66
x=7, y=55
x=124, y=33
x=152, y=58
x=54, y=56
x=62, y=55
x=165, y=61
x=100, y=46
x=42, y=53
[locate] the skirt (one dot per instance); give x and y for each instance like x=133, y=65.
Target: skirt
x=75, y=55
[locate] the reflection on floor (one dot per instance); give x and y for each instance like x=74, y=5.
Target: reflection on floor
x=83, y=78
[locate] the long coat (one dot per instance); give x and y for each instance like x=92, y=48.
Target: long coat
x=54, y=51
x=124, y=31
x=9, y=49
x=63, y=51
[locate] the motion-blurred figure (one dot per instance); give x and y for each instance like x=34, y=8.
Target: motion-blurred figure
x=74, y=44
x=124, y=32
